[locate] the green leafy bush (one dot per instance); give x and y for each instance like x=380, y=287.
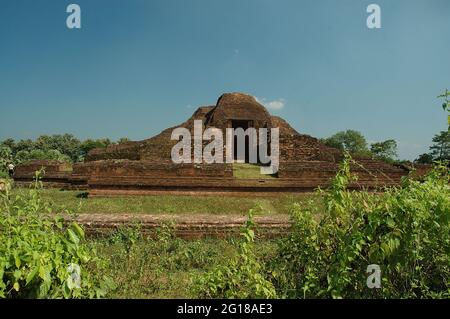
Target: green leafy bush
x=406, y=231
x=242, y=277
x=37, y=154
x=41, y=257
x=5, y=157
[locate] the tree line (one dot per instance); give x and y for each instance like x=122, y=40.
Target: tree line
x=68, y=148
x=355, y=143
x=58, y=147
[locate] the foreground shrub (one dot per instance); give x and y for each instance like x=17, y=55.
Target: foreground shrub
x=40, y=257
x=161, y=265
x=406, y=231
x=242, y=277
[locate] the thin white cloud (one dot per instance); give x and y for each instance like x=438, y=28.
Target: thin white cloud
x=273, y=105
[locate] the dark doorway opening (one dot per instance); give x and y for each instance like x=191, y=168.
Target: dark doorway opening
x=244, y=124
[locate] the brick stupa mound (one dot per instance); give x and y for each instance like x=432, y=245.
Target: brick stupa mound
x=145, y=167
x=231, y=109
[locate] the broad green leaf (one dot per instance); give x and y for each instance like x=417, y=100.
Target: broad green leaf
x=78, y=230
x=73, y=237
x=32, y=274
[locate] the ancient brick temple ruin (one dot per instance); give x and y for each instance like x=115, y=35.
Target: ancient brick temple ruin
x=145, y=167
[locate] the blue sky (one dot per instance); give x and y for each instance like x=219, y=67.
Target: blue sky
x=139, y=66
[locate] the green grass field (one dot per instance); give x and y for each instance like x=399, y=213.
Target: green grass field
x=77, y=202
x=243, y=170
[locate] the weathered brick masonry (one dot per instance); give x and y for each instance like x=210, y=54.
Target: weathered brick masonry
x=54, y=173
x=145, y=166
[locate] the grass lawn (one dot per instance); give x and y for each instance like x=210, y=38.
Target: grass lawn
x=78, y=202
x=244, y=170
x=171, y=204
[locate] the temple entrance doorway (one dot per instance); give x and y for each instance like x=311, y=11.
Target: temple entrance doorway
x=244, y=124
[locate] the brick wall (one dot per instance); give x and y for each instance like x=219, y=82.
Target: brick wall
x=56, y=174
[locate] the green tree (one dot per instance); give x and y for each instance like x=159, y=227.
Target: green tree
x=425, y=158
x=57, y=156
x=10, y=143
x=90, y=144
x=66, y=144
x=386, y=150
x=349, y=140
x=38, y=154
x=440, y=150
x=23, y=145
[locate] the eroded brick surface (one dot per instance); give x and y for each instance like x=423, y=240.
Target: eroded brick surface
x=145, y=167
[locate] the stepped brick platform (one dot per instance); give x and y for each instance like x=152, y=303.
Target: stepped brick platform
x=54, y=174
x=115, y=186
x=184, y=226
x=145, y=167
